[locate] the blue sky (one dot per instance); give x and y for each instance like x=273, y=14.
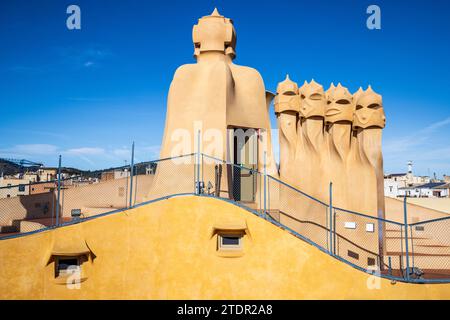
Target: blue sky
x=87, y=94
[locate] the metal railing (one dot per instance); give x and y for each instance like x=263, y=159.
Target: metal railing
x=401, y=251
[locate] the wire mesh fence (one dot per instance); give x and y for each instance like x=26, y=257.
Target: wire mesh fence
x=430, y=249
x=402, y=251
x=356, y=238
x=232, y=182
x=299, y=212
x=23, y=203
x=26, y=208
x=394, y=253
x=368, y=242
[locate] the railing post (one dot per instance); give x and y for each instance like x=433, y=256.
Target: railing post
x=197, y=183
x=131, y=176
x=202, y=169
x=390, y=265
x=59, y=191
x=334, y=231
x=412, y=245
x=405, y=213
x=331, y=217
x=265, y=186
x=53, y=204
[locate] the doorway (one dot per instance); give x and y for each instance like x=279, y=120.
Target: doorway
x=244, y=156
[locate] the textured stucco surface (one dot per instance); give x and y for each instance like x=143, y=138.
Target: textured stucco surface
x=439, y=204
x=167, y=250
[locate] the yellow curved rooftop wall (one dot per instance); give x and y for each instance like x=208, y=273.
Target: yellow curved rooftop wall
x=168, y=250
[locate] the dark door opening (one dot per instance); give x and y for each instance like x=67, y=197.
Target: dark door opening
x=245, y=161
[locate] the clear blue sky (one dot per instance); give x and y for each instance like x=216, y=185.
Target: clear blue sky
x=87, y=94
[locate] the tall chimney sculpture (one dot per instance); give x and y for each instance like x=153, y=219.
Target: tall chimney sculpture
x=369, y=123
x=208, y=102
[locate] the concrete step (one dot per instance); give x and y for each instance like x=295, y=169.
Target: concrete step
x=439, y=263
x=421, y=246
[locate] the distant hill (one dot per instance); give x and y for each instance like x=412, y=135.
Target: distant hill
x=140, y=168
x=11, y=168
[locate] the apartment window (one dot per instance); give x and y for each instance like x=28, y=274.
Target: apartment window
x=229, y=241
x=370, y=261
x=21, y=188
x=67, y=265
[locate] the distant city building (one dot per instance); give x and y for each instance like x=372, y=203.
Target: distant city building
x=13, y=187
x=107, y=175
x=428, y=190
x=83, y=181
x=38, y=188
x=400, y=179
x=390, y=187
x=407, y=179
x=40, y=175
x=115, y=174
x=409, y=185
x=119, y=174
x=31, y=176
x=150, y=169
x=31, y=182
x=444, y=190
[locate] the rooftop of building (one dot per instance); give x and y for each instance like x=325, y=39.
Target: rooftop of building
x=430, y=185
x=395, y=175
x=443, y=186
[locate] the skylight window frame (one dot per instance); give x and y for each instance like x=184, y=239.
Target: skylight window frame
x=229, y=247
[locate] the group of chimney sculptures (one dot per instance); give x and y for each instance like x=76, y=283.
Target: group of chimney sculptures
x=324, y=136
